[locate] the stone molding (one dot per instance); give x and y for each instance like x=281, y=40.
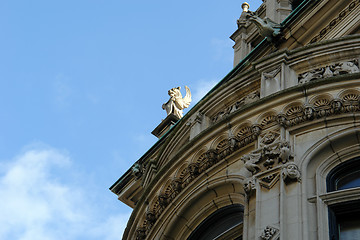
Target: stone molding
x=334, y=22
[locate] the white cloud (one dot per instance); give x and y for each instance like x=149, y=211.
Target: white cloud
x=38, y=202
x=201, y=88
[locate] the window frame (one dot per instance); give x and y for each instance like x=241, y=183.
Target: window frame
x=344, y=202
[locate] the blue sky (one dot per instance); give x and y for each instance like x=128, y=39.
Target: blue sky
x=81, y=88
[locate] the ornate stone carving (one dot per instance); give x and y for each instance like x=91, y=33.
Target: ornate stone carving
x=309, y=113
x=163, y=200
x=265, y=158
x=290, y=172
x=270, y=233
x=272, y=74
x=267, y=27
x=269, y=137
x=140, y=233
x=285, y=153
x=251, y=161
x=211, y=158
x=252, y=97
x=249, y=186
x=150, y=216
x=177, y=103
x=245, y=136
x=137, y=170
x=193, y=169
x=269, y=179
x=336, y=106
x=268, y=120
x=176, y=185
x=256, y=130
x=345, y=67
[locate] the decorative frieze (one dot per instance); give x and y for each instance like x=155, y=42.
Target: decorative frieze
x=336, y=69
x=252, y=97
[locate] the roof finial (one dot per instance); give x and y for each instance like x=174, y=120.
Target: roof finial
x=245, y=6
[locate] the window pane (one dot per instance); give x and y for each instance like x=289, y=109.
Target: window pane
x=350, y=229
x=350, y=180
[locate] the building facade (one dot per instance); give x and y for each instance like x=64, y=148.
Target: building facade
x=273, y=150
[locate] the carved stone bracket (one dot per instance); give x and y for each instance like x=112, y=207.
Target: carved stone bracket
x=270, y=233
x=340, y=68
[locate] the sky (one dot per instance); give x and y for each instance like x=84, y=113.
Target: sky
x=82, y=83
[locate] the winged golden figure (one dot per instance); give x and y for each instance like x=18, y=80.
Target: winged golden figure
x=177, y=103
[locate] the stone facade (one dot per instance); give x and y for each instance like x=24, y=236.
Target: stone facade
x=266, y=141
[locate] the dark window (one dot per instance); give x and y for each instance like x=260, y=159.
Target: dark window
x=349, y=180
x=344, y=217
x=344, y=176
x=344, y=221
x=219, y=223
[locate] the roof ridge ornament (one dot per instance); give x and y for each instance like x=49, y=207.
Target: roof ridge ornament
x=245, y=6
x=177, y=103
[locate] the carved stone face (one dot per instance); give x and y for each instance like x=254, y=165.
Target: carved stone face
x=174, y=92
x=337, y=105
x=256, y=130
x=309, y=112
x=281, y=120
x=269, y=138
x=292, y=171
x=248, y=186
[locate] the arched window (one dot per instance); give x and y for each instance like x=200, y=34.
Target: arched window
x=343, y=187
x=225, y=223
